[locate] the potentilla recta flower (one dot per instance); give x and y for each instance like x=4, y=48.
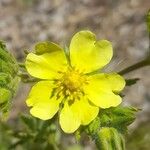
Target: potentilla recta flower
x=68, y=85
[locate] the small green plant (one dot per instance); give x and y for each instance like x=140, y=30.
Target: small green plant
x=70, y=95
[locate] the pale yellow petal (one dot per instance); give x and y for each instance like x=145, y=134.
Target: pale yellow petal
x=104, y=100
x=116, y=81
x=69, y=121
x=100, y=92
x=111, y=81
x=85, y=110
x=44, y=110
x=46, y=64
x=40, y=92
x=87, y=54
x=44, y=106
x=79, y=112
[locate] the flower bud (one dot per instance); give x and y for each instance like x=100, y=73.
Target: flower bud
x=110, y=139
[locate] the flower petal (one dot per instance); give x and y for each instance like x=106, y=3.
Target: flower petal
x=69, y=121
x=40, y=92
x=43, y=106
x=72, y=115
x=87, y=54
x=45, y=111
x=46, y=63
x=99, y=90
x=116, y=81
x=88, y=111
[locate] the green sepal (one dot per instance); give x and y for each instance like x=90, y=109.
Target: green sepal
x=93, y=127
x=46, y=47
x=110, y=139
x=117, y=117
x=115, y=121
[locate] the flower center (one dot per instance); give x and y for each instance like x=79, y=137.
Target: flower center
x=70, y=84
x=72, y=80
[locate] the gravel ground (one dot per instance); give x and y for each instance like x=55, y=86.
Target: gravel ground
x=25, y=22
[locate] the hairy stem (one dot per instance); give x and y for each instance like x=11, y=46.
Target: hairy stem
x=109, y=138
x=135, y=66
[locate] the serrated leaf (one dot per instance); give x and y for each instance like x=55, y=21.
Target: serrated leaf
x=5, y=95
x=28, y=121
x=93, y=127
x=5, y=55
x=118, y=117
x=8, y=80
x=108, y=128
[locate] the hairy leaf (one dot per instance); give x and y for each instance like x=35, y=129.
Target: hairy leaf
x=8, y=79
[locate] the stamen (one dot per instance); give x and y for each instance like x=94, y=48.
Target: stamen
x=70, y=85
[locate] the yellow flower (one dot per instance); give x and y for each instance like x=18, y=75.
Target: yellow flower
x=67, y=85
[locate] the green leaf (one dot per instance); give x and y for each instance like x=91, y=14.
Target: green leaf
x=108, y=128
x=93, y=127
x=118, y=117
x=130, y=82
x=28, y=121
x=5, y=95
x=8, y=80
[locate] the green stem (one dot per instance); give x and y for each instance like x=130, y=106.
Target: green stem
x=25, y=78
x=30, y=80
x=149, y=42
x=135, y=66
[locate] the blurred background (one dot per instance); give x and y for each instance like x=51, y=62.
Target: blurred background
x=25, y=22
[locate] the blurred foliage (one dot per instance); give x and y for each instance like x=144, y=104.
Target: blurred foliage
x=30, y=133
x=109, y=128
x=27, y=2
x=140, y=137
x=118, y=117
x=8, y=79
x=148, y=21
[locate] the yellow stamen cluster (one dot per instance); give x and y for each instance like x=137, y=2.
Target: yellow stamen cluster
x=70, y=85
